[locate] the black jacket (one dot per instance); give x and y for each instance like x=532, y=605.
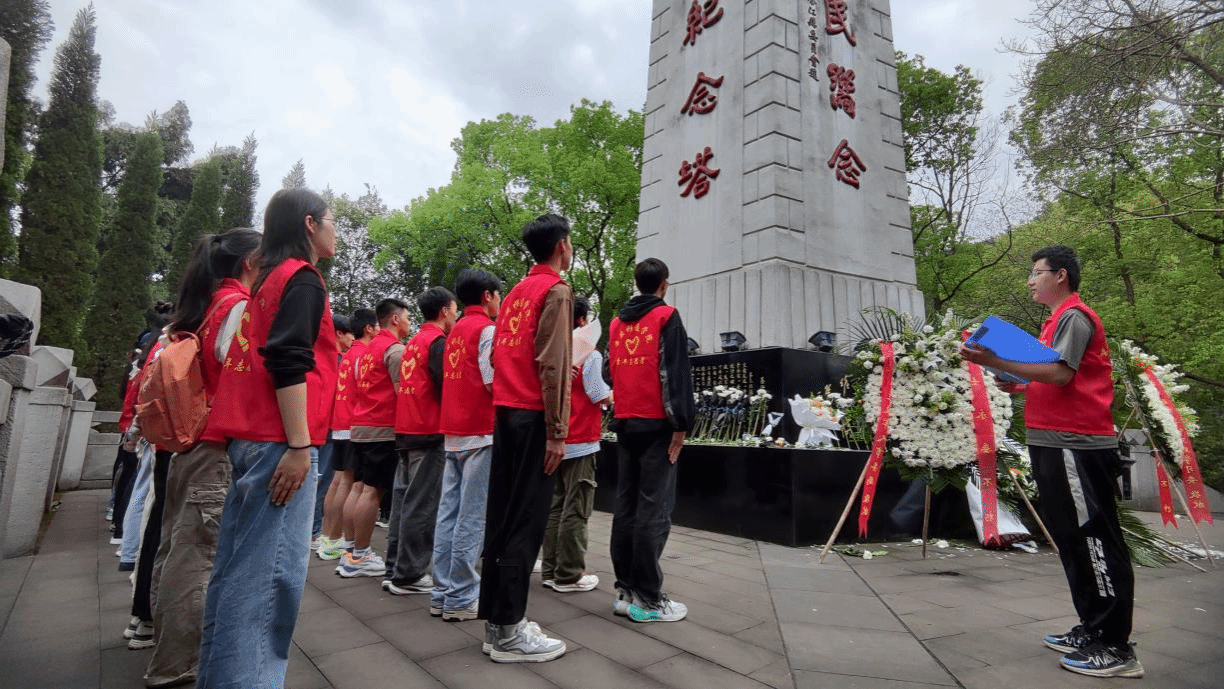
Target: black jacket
x=675, y=374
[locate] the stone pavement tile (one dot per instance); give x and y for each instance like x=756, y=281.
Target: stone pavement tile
x=712, y=578
x=419, y=636
x=1034, y=673
x=371, y=601
x=337, y=630
x=1180, y=643
x=751, y=574
x=805, y=679
x=313, y=599
x=376, y=665
x=69, y=660
x=864, y=612
x=115, y=596
x=60, y=588
x=723, y=538
x=750, y=602
x=618, y=641
x=842, y=650
x=1038, y=608
x=738, y=656
x=325, y=579
x=765, y=635
x=468, y=668
x=982, y=647
x=905, y=583
x=549, y=607
x=1202, y=676
x=302, y=673
x=808, y=579
x=1201, y=617
x=685, y=671
x=586, y=669
x=124, y=668
x=50, y=622
x=902, y=603
x=937, y=622
x=1052, y=586
x=777, y=675
x=717, y=616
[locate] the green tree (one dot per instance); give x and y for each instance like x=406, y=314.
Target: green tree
x=949, y=154
x=27, y=27
x=241, y=181
x=122, y=295
x=203, y=216
x=296, y=177
x=358, y=276
x=60, y=208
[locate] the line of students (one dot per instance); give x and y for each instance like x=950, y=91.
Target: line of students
x=468, y=456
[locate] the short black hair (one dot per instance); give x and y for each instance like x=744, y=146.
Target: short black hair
x=472, y=283
x=387, y=308
x=1060, y=257
x=582, y=309
x=362, y=319
x=341, y=323
x=433, y=300
x=649, y=274
x=542, y=235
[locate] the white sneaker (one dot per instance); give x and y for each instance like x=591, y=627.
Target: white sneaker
x=461, y=614
x=368, y=565
x=548, y=583
x=142, y=636
x=423, y=585
x=622, y=603
x=527, y=643
x=537, y=567
x=585, y=583
x=666, y=610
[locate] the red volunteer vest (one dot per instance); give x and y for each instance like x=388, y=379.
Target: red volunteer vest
x=1082, y=405
x=586, y=417
x=342, y=414
x=133, y=389
x=374, y=401
x=417, y=408
x=228, y=294
x=245, y=407
x=467, y=406
x=517, y=383
x=633, y=359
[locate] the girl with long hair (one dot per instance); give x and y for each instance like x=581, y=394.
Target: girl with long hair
x=274, y=404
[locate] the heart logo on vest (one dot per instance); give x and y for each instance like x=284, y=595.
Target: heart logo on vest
x=632, y=345
x=406, y=369
x=454, y=358
x=515, y=322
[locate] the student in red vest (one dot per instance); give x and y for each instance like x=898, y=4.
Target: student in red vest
x=327, y=454
x=653, y=384
x=531, y=397
x=372, y=436
x=274, y=403
x=466, y=422
x=333, y=542
x=563, y=566
x=211, y=300
x=1071, y=442
x=418, y=439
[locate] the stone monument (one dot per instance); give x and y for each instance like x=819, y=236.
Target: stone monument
x=773, y=177
x=6, y=52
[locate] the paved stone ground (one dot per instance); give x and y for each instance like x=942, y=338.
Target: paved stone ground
x=760, y=615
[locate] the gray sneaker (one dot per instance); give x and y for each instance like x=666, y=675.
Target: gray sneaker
x=490, y=636
x=524, y=642
x=624, y=601
x=423, y=585
x=666, y=610
x=461, y=614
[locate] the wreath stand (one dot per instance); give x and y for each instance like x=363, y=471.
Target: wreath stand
x=926, y=515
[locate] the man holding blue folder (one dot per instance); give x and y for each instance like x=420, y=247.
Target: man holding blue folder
x=1075, y=463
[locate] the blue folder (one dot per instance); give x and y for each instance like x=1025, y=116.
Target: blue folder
x=1010, y=343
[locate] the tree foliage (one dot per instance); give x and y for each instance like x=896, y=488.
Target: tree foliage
x=356, y=277
x=203, y=216
x=296, y=177
x=60, y=208
x=123, y=294
x=27, y=27
x=508, y=171
x=949, y=156
x=241, y=182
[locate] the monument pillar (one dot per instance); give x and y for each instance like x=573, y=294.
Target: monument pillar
x=773, y=177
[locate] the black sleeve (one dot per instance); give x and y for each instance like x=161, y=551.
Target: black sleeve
x=676, y=375
x=436, y=351
x=289, y=352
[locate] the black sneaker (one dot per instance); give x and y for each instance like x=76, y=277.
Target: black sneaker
x=1074, y=640
x=1104, y=660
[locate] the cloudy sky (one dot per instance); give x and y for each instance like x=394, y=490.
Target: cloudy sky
x=365, y=91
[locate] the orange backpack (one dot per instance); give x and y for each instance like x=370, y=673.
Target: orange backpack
x=172, y=405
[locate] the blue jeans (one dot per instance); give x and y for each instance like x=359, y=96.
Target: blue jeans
x=459, y=532
x=327, y=469
x=258, y=575
x=135, y=508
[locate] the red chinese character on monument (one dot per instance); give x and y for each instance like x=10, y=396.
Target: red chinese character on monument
x=698, y=174
x=701, y=100
x=835, y=20
x=841, y=83
x=701, y=17
x=849, y=165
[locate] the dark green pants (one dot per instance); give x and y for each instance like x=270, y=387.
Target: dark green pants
x=565, y=538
